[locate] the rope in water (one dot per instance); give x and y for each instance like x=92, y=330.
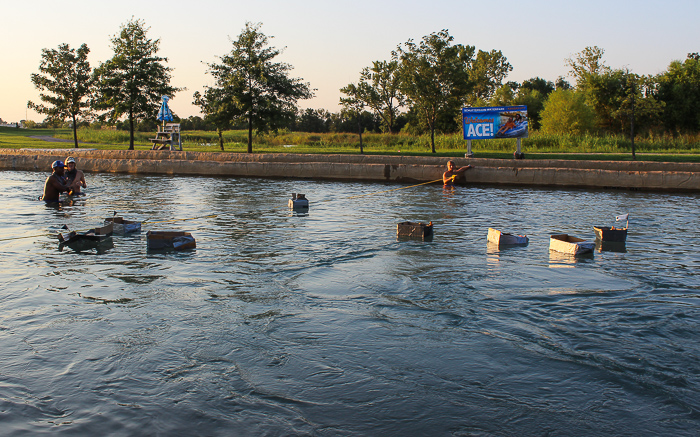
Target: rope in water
x=387, y=191
x=215, y=215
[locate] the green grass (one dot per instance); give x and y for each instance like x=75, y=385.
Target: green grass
x=537, y=146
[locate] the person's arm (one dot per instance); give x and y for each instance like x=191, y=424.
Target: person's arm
x=466, y=167
x=58, y=186
x=82, y=180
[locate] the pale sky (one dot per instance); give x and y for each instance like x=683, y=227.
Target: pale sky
x=329, y=42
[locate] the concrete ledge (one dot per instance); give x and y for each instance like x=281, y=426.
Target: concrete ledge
x=593, y=174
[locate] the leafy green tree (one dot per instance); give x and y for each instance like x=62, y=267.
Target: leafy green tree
x=217, y=110
x=505, y=95
x=312, y=120
x=353, y=107
x=65, y=74
x=435, y=77
x=378, y=89
x=562, y=84
x=132, y=83
x=566, y=112
x=616, y=94
x=538, y=84
x=679, y=88
x=533, y=93
x=251, y=87
x=586, y=63
x=487, y=72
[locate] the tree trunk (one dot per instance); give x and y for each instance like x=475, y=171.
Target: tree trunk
x=250, y=134
x=359, y=131
x=221, y=139
x=131, y=131
x=432, y=137
x=75, y=132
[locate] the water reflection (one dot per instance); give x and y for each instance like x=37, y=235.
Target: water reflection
x=610, y=246
x=564, y=260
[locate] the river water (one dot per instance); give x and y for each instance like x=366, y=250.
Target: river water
x=325, y=324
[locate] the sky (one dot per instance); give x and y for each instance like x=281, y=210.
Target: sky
x=329, y=42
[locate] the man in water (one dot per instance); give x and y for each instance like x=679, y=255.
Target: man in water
x=74, y=177
x=448, y=178
x=55, y=184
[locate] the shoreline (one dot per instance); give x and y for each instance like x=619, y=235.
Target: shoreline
x=635, y=175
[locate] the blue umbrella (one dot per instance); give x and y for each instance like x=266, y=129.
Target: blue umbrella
x=164, y=114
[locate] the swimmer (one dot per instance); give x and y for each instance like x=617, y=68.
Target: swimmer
x=55, y=184
x=74, y=177
x=448, y=178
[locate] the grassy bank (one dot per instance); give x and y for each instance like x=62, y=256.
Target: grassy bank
x=537, y=146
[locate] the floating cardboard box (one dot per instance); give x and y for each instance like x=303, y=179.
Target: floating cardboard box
x=170, y=240
x=414, y=230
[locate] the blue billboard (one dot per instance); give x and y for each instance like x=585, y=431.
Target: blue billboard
x=495, y=122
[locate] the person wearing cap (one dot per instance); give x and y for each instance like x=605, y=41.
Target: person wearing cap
x=55, y=184
x=74, y=177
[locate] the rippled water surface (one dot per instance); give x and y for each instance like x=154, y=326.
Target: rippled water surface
x=325, y=324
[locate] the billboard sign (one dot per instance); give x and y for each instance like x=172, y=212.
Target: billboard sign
x=495, y=122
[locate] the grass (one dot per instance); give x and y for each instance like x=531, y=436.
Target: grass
x=537, y=146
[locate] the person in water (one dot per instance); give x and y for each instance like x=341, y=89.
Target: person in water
x=448, y=178
x=55, y=184
x=74, y=177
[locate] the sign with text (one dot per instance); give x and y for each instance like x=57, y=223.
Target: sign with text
x=495, y=122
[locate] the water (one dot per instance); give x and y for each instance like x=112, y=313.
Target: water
x=325, y=324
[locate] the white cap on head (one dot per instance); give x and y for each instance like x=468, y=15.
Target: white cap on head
x=70, y=159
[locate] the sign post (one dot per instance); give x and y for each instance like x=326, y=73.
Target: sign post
x=495, y=122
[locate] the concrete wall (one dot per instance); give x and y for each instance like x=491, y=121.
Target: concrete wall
x=592, y=174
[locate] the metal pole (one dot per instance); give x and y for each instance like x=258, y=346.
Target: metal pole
x=518, y=154
x=469, y=150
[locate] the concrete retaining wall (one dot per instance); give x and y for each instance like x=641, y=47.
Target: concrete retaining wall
x=592, y=174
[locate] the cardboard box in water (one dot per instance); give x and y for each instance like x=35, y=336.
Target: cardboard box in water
x=566, y=243
x=414, y=230
x=170, y=240
x=605, y=233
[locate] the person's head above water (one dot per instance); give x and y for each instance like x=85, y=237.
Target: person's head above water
x=57, y=167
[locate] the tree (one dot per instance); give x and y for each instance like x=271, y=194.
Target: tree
x=216, y=109
x=251, y=87
x=435, y=77
x=679, y=88
x=533, y=93
x=312, y=120
x=616, y=94
x=65, y=74
x=378, y=89
x=505, y=94
x=566, y=112
x=353, y=106
x=562, y=84
x=132, y=83
x=487, y=73
x=586, y=63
